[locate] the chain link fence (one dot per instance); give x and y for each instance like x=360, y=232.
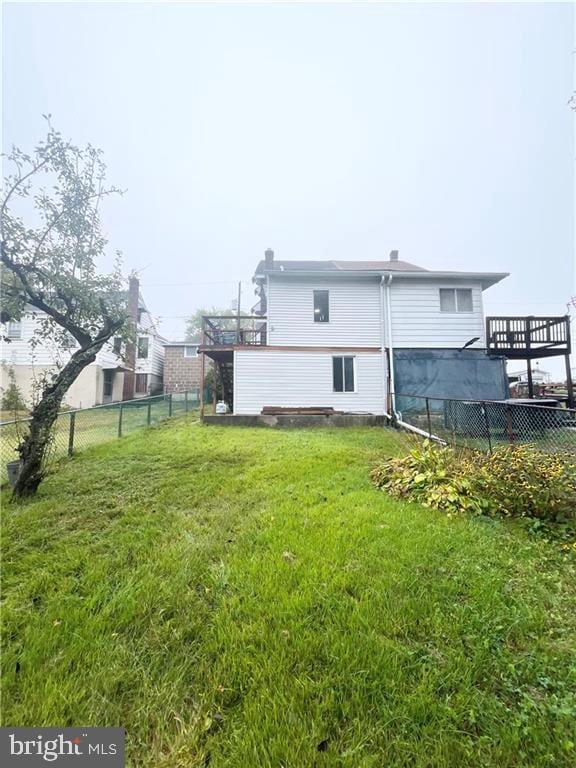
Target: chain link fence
x=75, y=430
x=485, y=424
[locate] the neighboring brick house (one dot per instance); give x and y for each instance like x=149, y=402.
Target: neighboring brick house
x=182, y=366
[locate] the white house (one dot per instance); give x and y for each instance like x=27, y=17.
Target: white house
x=117, y=373
x=356, y=335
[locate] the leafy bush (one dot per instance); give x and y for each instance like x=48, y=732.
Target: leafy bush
x=515, y=480
x=12, y=399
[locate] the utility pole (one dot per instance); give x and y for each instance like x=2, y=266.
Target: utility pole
x=238, y=311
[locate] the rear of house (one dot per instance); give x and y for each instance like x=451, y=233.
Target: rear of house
x=352, y=335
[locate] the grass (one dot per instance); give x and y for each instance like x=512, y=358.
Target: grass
x=244, y=598
x=92, y=426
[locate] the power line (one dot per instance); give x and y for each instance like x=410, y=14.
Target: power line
x=213, y=282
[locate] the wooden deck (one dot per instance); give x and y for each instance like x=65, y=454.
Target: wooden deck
x=527, y=338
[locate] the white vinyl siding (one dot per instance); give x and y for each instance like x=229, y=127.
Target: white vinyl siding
x=154, y=363
x=21, y=352
x=354, y=318
x=304, y=379
x=419, y=322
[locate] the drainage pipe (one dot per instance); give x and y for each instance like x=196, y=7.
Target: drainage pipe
x=418, y=431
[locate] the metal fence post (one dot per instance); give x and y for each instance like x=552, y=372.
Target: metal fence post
x=71, y=433
x=509, y=423
x=487, y=421
x=169, y=405
x=186, y=401
x=428, y=418
x=149, y=414
x=120, y=411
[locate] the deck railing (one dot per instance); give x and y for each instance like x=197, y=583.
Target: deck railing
x=526, y=337
x=231, y=330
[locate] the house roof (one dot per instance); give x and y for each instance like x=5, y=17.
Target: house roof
x=373, y=269
x=339, y=266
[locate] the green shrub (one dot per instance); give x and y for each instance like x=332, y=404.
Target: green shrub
x=518, y=481
x=12, y=399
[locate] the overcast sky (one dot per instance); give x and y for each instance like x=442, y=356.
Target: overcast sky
x=321, y=130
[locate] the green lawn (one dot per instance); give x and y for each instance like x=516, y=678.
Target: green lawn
x=244, y=598
x=91, y=426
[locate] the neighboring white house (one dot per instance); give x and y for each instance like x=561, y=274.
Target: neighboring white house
x=110, y=378
x=539, y=376
x=350, y=334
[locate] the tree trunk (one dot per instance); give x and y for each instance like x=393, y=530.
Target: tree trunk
x=34, y=445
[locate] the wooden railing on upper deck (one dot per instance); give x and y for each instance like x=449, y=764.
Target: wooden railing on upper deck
x=231, y=330
x=528, y=337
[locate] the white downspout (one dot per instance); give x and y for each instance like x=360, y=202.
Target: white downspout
x=383, y=351
x=390, y=344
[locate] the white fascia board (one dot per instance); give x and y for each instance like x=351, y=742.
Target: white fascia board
x=486, y=278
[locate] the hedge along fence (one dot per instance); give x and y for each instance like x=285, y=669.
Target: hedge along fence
x=78, y=429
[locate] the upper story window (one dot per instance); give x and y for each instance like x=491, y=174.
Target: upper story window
x=321, y=306
x=14, y=330
x=190, y=351
x=456, y=300
x=117, y=345
x=143, y=347
x=343, y=378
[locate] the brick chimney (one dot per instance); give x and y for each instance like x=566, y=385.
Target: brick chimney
x=130, y=354
x=393, y=255
x=269, y=258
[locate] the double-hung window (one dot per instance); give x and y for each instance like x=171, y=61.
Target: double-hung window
x=343, y=374
x=14, y=330
x=456, y=300
x=143, y=347
x=321, y=306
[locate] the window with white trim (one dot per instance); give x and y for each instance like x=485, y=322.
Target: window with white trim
x=190, y=351
x=321, y=306
x=14, y=330
x=343, y=374
x=456, y=300
x=143, y=343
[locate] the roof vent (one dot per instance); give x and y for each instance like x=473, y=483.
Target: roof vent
x=269, y=258
x=393, y=255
